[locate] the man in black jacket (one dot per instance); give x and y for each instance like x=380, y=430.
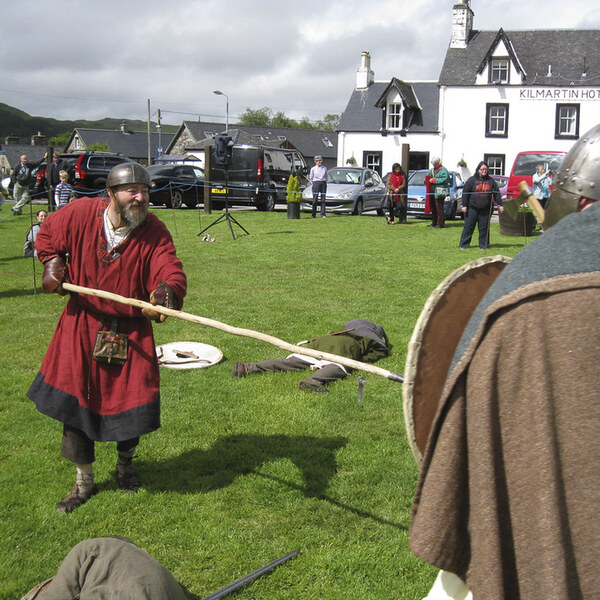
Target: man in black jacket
x=478, y=194
x=22, y=180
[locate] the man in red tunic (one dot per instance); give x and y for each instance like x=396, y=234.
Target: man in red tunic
x=111, y=244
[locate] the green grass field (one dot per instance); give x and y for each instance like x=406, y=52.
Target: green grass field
x=242, y=471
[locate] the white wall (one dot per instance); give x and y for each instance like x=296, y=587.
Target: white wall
x=353, y=144
x=531, y=121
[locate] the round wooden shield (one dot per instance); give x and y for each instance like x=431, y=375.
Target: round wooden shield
x=187, y=355
x=434, y=342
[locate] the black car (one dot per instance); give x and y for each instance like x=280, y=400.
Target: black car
x=88, y=170
x=175, y=185
x=257, y=176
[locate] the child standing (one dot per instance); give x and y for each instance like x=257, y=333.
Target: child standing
x=63, y=191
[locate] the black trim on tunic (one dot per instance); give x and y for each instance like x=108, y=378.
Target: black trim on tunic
x=65, y=408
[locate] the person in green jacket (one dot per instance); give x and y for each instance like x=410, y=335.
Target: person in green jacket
x=360, y=340
x=440, y=183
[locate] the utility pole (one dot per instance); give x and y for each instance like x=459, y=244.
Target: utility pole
x=149, y=137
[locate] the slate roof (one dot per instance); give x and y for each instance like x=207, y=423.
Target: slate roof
x=35, y=154
x=569, y=51
x=362, y=112
x=309, y=142
x=133, y=144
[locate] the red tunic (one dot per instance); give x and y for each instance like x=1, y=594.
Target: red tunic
x=107, y=402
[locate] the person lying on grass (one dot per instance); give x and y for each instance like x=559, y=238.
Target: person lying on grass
x=360, y=340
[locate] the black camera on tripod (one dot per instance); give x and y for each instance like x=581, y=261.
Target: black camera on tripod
x=223, y=147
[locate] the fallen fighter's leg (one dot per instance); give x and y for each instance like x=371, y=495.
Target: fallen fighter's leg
x=321, y=377
x=291, y=363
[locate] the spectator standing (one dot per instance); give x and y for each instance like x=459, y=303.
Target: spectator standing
x=22, y=179
x=53, y=174
x=542, y=180
x=439, y=179
x=29, y=247
x=509, y=487
x=100, y=374
x=480, y=193
x=396, y=185
x=318, y=180
x=63, y=191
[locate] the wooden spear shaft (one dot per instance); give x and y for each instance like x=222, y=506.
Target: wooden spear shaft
x=179, y=314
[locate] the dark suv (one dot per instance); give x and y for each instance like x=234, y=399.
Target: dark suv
x=88, y=170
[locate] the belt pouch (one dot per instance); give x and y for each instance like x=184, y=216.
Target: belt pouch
x=110, y=346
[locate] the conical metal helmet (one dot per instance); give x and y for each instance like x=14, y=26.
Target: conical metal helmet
x=128, y=172
x=579, y=175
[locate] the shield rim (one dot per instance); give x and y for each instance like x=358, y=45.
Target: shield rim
x=417, y=336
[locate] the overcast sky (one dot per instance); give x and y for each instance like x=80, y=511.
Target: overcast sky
x=70, y=59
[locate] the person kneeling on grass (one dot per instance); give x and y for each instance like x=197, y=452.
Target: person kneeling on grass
x=109, y=567
x=360, y=340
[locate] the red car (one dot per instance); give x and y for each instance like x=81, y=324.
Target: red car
x=525, y=166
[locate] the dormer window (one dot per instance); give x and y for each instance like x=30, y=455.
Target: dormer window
x=394, y=115
x=499, y=70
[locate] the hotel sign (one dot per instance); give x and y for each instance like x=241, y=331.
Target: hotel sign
x=561, y=94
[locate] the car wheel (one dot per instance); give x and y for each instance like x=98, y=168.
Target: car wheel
x=174, y=199
x=358, y=207
x=381, y=209
x=267, y=201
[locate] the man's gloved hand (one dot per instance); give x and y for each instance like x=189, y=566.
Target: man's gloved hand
x=163, y=295
x=55, y=273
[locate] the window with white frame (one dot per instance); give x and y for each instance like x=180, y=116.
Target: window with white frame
x=567, y=121
x=496, y=120
x=495, y=163
x=499, y=70
x=394, y=115
x=372, y=160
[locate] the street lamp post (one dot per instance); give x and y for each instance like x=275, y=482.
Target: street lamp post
x=220, y=93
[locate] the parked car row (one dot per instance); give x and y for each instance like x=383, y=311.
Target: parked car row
x=258, y=176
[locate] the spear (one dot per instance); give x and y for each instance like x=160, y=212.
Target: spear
x=179, y=314
x=250, y=577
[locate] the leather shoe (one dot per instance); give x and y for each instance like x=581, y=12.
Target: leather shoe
x=75, y=499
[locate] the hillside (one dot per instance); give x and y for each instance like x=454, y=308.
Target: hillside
x=16, y=122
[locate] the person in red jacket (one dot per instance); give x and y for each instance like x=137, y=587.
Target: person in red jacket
x=396, y=186
x=112, y=244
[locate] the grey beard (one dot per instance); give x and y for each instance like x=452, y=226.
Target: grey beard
x=132, y=218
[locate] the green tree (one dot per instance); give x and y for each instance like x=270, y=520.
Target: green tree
x=293, y=189
x=264, y=117
x=59, y=142
x=259, y=116
x=99, y=147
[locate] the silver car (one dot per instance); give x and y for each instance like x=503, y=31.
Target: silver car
x=350, y=190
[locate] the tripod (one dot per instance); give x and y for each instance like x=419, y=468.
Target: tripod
x=226, y=216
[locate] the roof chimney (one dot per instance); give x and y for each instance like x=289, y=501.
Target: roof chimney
x=364, y=75
x=39, y=139
x=462, y=24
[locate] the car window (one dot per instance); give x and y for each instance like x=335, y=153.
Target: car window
x=198, y=172
x=113, y=161
x=352, y=176
x=368, y=177
x=376, y=178
x=159, y=170
x=417, y=178
x=96, y=162
x=526, y=163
